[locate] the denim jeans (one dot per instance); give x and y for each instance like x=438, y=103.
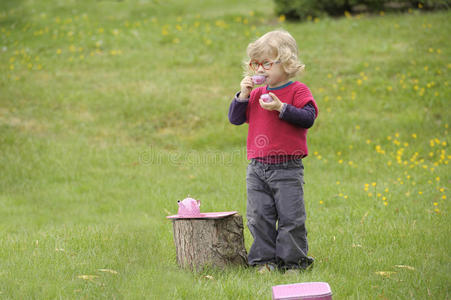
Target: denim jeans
x=276, y=214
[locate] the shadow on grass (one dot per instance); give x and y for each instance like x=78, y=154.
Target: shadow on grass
x=7, y=17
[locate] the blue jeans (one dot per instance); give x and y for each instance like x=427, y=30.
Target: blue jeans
x=276, y=214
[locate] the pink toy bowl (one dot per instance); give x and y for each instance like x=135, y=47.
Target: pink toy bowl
x=189, y=208
x=259, y=79
x=266, y=98
x=304, y=291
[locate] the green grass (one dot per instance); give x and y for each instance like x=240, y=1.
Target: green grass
x=111, y=111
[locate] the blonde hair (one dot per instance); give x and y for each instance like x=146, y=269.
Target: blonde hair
x=277, y=44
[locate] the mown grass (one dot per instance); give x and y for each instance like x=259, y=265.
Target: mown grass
x=110, y=112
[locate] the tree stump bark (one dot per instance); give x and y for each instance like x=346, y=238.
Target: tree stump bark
x=209, y=242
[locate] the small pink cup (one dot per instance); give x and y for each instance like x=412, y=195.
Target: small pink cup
x=259, y=79
x=266, y=98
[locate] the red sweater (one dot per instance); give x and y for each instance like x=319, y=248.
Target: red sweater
x=268, y=135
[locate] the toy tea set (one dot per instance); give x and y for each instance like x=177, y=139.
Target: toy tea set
x=260, y=79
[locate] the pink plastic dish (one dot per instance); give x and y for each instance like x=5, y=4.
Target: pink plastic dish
x=208, y=215
x=304, y=291
x=266, y=98
x=259, y=79
x=189, y=208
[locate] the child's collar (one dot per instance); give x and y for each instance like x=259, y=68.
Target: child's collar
x=279, y=87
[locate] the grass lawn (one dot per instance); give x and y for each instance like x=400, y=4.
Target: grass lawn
x=111, y=111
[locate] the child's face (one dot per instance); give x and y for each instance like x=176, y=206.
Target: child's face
x=272, y=69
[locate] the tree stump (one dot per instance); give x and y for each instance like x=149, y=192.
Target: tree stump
x=209, y=242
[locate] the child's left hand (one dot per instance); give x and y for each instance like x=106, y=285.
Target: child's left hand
x=276, y=104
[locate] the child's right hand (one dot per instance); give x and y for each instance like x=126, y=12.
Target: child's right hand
x=246, y=87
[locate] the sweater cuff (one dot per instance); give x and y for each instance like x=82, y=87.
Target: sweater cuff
x=240, y=100
x=284, y=108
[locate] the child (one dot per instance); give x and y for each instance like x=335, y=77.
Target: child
x=276, y=144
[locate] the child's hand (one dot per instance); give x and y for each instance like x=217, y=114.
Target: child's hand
x=246, y=87
x=276, y=104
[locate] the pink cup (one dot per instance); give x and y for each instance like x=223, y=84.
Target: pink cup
x=259, y=79
x=266, y=98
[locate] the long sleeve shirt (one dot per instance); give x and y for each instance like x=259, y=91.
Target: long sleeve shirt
x=275, y=137
x=303, y=117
